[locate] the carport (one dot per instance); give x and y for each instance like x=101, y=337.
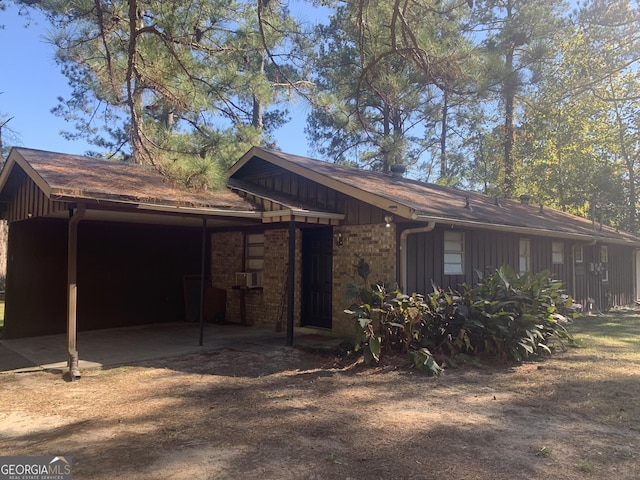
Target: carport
x=131, y=345
x=116, y=237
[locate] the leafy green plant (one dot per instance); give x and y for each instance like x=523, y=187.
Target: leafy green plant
x=513, y=316
x=424, y=361
x=393, y=323
x=368, y=338
x=506, y=315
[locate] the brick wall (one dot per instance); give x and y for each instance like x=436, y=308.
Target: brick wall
x=263, y=307
x=227, y=252
x=273, y=309
x=376, y=245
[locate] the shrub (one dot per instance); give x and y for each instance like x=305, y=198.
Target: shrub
x=506, y=315
x=514, y=316
x=393, y=322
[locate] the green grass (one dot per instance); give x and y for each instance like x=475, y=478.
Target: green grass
x=615, y=332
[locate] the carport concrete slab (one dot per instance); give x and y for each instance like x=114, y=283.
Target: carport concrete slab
x=120, y=346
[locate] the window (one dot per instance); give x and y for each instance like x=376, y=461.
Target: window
x=524, y=264
x=557, y=253
x=453, y=253
x=254, y=252
x=604, y=263
x=578, y=254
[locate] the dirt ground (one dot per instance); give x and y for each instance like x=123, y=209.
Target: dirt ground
x=291, y=414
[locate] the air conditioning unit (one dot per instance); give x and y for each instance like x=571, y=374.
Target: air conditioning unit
x=249, y=279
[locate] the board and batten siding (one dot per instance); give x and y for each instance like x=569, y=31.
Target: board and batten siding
x=484, y=251
x=315, y=196
x=30, y=202
x=621, y=273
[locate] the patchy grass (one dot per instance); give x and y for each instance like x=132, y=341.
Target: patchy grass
x=574, y=416
x=616, y=333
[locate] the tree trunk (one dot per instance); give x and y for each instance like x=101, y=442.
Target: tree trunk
x=443, y=136
x=509, y=102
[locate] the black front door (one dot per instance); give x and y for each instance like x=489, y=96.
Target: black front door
x=317, y=265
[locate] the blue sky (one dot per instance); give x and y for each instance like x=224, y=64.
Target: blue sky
x=31, y=81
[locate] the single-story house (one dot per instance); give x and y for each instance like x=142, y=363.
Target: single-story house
x=111, y=244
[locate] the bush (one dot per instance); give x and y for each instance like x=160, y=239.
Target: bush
x=509, y=316
x=390, y=322
x=514, y=316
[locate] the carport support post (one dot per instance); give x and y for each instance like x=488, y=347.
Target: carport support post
x=291, y=280
x=72, y=290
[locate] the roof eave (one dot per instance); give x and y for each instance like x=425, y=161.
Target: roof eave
x=16, y=158
x=162, y=208
x=581, y=237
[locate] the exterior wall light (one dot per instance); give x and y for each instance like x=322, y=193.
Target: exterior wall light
x=387, y=220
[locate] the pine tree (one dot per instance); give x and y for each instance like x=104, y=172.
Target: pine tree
x=184, y=87
x=381, y=68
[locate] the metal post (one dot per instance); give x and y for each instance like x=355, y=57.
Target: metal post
x=72, y=291
x=203, y=278
x=291, y=280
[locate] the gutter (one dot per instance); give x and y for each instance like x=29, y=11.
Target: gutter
x=175, y=209
x=523, y=230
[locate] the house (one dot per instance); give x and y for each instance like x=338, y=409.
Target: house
x=96, y=244
x=412, y=233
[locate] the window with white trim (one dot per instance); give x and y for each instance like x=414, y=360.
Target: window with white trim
x=254, y=252
x=557, y=253
x=579, y=257
x=453, y=253
x=524, y=261
x=604, y=263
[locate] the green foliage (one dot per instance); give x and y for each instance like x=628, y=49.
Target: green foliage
x=368, y=338
x=382, y=68
x=393, y=323
x=514, y=316
x=185, y=87
x=508, y=316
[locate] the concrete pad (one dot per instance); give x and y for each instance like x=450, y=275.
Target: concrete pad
x=121, y=346
x=10, y=360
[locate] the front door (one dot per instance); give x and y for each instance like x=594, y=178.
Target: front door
x=317, y=266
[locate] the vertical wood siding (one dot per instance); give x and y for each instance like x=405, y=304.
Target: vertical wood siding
x=620, y=289
x=29, y=201
x=486, y=250
x=314, y=195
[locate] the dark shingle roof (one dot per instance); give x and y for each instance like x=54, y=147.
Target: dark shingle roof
x=444, y=204
x=64, y=176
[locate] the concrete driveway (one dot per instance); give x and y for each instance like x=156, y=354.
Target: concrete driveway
x=121, y=346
